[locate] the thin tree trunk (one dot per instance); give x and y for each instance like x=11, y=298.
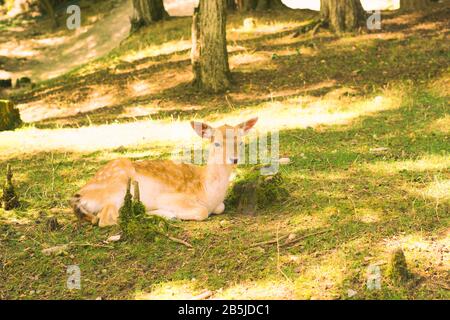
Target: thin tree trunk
x=212, y=73
x=231, y=5
x=195, y=50
x=342, y=15
x=246, y=5
x=263, y=5
x=145, y=12
x=413, y=5
x=47, y=6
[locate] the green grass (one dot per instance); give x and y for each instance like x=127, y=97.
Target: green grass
x=356, y=203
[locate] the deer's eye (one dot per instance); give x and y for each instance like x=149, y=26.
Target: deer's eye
x=241, y=143
x=217, y=144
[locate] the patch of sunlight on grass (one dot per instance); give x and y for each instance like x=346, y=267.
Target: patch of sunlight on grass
x=254, y=290
x=426, y=26
x=441, y=86
x=99, y=97
x=302, y=112
x=51, y=41
x=10, y=217
x=175, y=290
x=259, y=60
x=367, y=215
x=258, y=290
x=439, y=189
x=310, y=221
x=261, y=27
x=157, y=50
x=429, y=162
x=31, y=140
x=441, y=125
x=321, y=280
x=139, y=88
x=16, y=50
x=367, y=39
x=292, y=113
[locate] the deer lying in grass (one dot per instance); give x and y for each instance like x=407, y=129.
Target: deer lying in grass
x=168, y=189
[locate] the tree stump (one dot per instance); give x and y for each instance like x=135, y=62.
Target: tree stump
x=5, y=83
x=9, y=116
x=397, y=268
x=9, y=198
x=23, y=82
x=52, y=224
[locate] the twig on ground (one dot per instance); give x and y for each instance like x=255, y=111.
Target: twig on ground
x=269, y=242
x=187, y=244
x=278, y=256
x=296, y=240
x=289, y=242
x=91, y=245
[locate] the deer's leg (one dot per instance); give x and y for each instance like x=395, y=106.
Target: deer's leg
x=108, y=216
x=182, y=207
x=219, y=209
x=163, y=213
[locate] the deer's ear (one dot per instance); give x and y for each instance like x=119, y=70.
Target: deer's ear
x=247, y=125
x=202, y=129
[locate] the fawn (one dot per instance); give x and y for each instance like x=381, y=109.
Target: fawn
x=169, y=189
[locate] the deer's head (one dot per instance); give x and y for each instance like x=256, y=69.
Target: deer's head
x=225, y=141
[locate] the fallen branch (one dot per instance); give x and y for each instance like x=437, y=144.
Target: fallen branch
x=187, y=244
x=269, y=242
x=95, y=245
x=296, y=239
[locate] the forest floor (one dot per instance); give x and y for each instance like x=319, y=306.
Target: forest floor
x=363, y=118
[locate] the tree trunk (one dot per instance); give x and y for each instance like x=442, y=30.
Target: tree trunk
x=246, y=5
x=47, y=6
x=342, y=15
x=145, y=12
x=263, y=5
x=195, y=49
x=9, y=116
x=212, y=73
x=413, y=5
x=259, y=5
x=231, y=5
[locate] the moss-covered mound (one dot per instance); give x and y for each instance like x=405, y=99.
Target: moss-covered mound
x=253, y=191
x=397, y=269
x=133, y=220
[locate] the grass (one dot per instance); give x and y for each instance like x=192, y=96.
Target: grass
x=366, y=135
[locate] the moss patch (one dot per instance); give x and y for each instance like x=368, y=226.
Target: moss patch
x=397, y=268
x=253, y=191
x=133, y=220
